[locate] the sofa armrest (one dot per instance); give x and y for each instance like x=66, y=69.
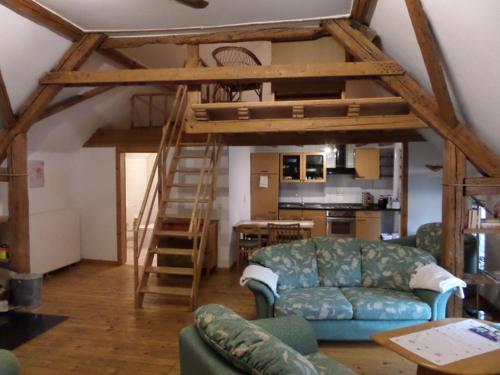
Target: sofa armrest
x=437, y=301
x=196, y=357
x=8, y=363
x=404, y=241
x=264, y=299
x=294, y=331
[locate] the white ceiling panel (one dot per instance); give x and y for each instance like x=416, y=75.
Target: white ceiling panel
x=159, y=15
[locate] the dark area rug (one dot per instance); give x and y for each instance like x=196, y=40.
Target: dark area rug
x=16, y=328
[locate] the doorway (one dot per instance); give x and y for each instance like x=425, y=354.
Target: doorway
x=133, y=172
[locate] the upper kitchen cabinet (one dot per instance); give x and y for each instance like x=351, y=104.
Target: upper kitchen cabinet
x=265, y=163
x=315, y=167
x=367, y=163
x=291, y=168
x=303, y=167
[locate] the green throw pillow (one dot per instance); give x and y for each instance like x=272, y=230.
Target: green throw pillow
x=294, y=263
x=390, y=266
x=247, y=346
x=339, y=261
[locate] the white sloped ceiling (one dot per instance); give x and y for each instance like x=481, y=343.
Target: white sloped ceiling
x=468, y=33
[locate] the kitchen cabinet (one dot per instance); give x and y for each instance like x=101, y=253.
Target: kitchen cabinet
x=303, y=167
x=264, y=186
x=291, y=215
x=367, y=163
x=264, y=162
x=319, y=218
x=291, y=168
x=368, y=225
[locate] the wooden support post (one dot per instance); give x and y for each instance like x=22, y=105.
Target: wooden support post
x=403, y=225
x=452, y=256
x=194, y=93
x=19, y=205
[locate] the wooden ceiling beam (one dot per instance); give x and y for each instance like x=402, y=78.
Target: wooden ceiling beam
x=148, y=139
x=42, y=96
x=432, y=60
x=43, y=17
x=6, y=113
x=306, y=124
x=72, y=101
x=420, y=101
x=276, y=35
x=360, y=9
x=264, y=73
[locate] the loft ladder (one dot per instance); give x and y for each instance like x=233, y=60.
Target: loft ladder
x=180, y=193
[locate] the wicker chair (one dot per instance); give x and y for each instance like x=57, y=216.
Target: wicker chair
x=235, y=56
x=282, y=233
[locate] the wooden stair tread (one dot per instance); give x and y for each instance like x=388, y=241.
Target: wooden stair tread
x=190, y=156
x=190, y=170
x=192, y=144
x=170, y=270
x=175, y=233
x=167, y=215
x=172, y=251
x=187, y=200
x=167, y=290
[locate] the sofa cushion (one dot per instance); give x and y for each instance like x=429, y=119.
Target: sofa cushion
x=295, y=263
x=428, y=237
x=326, y=366
x=386, y=265
x=318, y=303
x=247, y=346
x=386, y=304
x=339, y=261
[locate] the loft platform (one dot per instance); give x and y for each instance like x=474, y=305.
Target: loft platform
x=387, y=113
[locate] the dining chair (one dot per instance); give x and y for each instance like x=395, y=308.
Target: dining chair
x=282, y=233
x=249, y=240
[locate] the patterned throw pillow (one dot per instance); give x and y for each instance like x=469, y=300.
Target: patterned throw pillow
x=247, y=346
x=339, y=261
x=294, y=263
x=390, y=266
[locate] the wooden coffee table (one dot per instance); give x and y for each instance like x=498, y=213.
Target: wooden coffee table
x=484, y=364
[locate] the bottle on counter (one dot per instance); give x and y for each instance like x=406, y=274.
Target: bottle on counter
x=395, y=204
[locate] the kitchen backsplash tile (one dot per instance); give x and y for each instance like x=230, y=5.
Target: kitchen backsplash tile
x=338, y=189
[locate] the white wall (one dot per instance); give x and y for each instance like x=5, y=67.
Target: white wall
x=239, y=196
x=424, y=186
x=94, y=194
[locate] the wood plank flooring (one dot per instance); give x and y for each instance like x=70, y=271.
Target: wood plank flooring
x=106, y=335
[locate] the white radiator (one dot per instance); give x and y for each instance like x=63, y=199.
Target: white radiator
x=54, y=240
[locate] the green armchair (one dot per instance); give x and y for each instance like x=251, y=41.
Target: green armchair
x=428, y=237
x=8, y=363
x=197, y=357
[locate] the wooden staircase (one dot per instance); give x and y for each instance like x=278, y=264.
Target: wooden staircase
x=181, y=189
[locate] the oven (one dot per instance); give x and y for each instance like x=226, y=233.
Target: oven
x=340, y=224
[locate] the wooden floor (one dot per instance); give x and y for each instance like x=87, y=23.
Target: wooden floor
x=106, y=335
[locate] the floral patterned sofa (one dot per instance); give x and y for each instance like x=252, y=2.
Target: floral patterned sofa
x=428, y=237
x=348, y=289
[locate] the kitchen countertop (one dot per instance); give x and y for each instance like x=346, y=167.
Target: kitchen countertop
x=332, y=206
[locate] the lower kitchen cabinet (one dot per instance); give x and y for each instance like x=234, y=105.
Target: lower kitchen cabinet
x=368, y=225
x=291, y=215
x=319, y=218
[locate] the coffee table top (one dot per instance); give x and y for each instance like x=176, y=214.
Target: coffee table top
x=484, y=364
